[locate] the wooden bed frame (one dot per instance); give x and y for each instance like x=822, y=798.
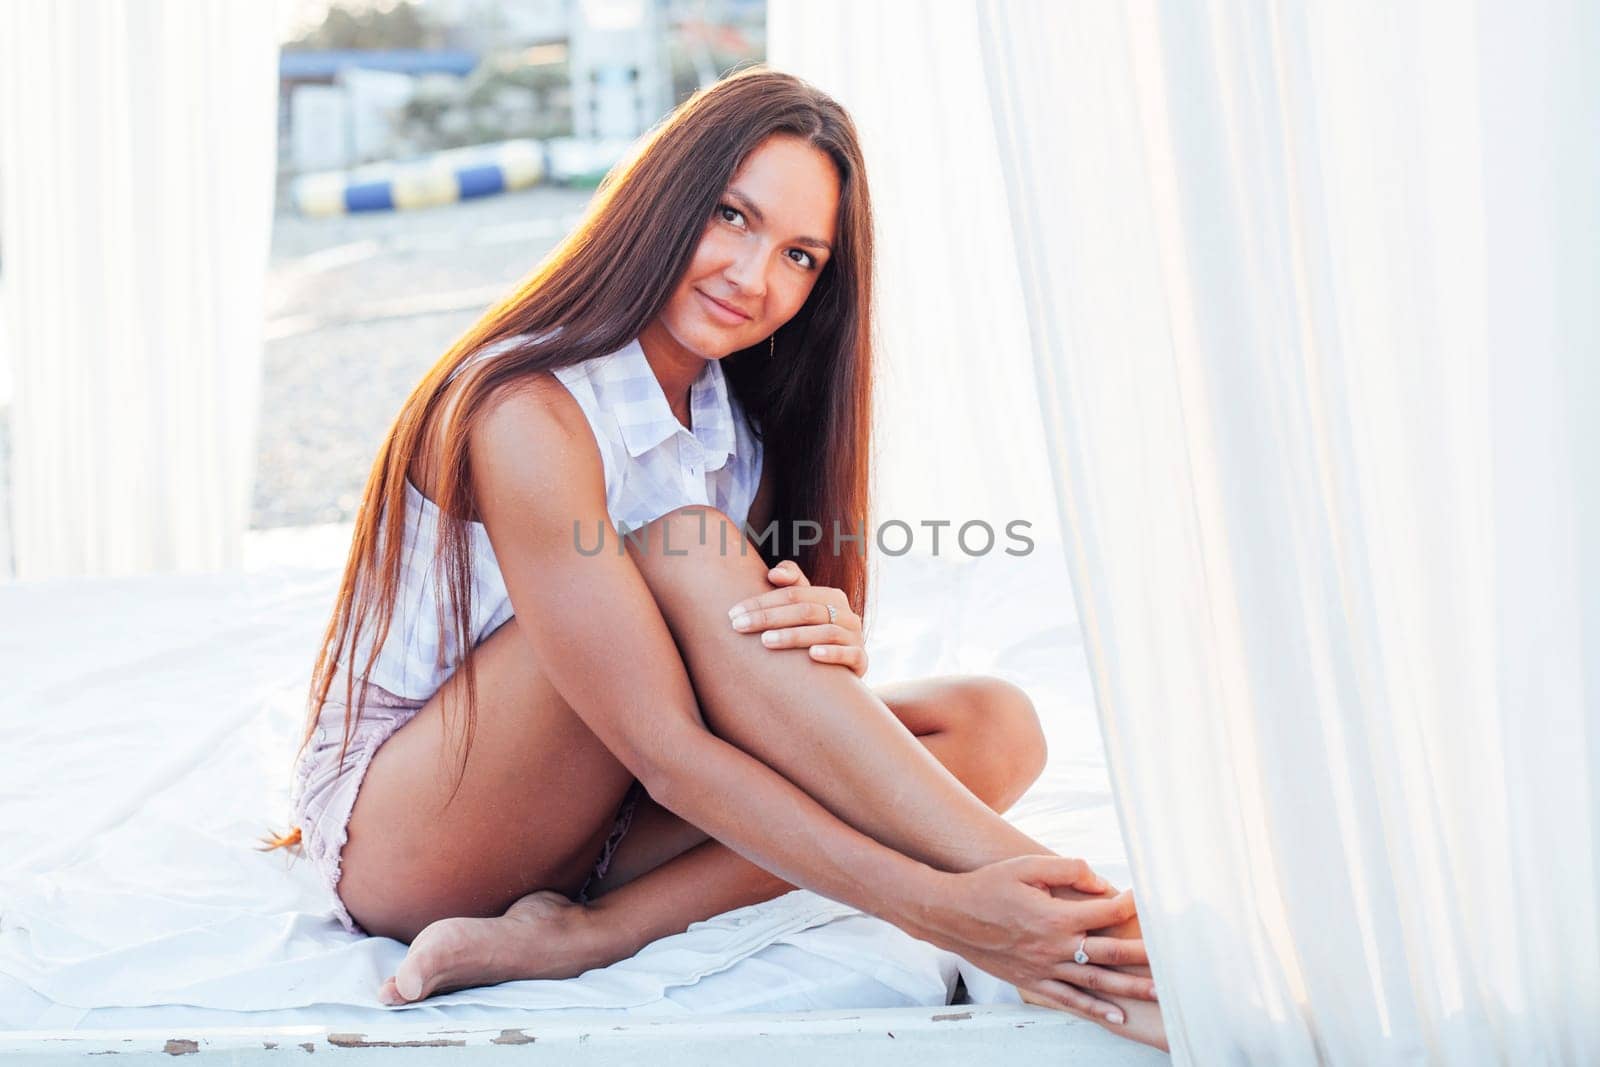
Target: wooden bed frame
x=956, y=1035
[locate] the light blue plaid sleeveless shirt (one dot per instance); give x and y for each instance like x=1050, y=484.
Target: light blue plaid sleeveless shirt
x=652, y=465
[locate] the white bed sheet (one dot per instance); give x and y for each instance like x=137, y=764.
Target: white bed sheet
x=147, y=729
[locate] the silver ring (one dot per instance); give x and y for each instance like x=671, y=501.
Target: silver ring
x=1081, y=957
x=833, y=613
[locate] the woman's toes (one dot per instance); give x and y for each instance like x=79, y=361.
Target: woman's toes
x=410, y=979
x=542, y=935
x=456, y=950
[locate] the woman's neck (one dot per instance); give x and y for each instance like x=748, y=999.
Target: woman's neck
x=675, y=368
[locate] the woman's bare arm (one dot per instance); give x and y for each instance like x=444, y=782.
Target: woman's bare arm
x=598, y=634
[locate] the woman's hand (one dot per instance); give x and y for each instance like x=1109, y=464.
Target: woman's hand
x=796, y=616
x=1004, y=919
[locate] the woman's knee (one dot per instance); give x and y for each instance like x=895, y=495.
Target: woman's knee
x=677, y=551
x=1005, y=728
x=692, y=529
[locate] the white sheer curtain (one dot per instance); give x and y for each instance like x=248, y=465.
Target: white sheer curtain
x=1310, y=293
x=137, y=147
x=959, y=436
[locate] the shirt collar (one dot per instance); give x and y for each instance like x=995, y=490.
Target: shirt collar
x=646, y=419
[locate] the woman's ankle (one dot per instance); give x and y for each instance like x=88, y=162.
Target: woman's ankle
x=603, y=934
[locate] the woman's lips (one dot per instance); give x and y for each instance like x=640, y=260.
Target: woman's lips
x=721, y=312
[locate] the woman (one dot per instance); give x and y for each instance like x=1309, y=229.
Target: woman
x=598, y=495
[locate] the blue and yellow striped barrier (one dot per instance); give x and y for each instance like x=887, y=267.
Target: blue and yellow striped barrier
x=443, y=178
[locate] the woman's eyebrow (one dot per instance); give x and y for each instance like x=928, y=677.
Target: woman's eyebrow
x=750, y=206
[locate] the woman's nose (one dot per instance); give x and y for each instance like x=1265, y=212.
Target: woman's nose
x=749, y=274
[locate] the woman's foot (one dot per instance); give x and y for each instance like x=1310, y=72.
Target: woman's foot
x=543, y=935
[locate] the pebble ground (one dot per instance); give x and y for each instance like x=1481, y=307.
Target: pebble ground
x=358, y=308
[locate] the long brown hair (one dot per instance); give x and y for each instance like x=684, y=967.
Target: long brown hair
x=810, y=400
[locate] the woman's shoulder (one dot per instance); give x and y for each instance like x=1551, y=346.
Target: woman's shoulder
x=542, y=403
x=541, y=407
x=536, y=417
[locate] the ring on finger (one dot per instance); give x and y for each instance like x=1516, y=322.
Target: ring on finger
x=833, y=613
x=1081, y=956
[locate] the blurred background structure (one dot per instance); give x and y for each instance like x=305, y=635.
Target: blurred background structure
x=429, y=153
x=360, y=306
x=362, y=82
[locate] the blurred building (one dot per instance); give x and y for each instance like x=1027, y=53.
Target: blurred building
x=596, y=70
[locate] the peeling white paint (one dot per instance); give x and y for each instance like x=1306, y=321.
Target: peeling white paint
x=916, y=1037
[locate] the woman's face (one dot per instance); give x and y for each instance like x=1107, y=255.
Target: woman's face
x=761, y=251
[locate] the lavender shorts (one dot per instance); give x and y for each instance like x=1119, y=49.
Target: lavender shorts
x=323, y=798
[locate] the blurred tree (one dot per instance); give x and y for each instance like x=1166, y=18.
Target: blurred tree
x=402, y=25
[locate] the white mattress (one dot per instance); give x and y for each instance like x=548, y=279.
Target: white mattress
x=147, y=727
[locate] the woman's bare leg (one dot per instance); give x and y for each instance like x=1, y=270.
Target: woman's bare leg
x=706, y=880
x=814, y=722
x=985, y=730
x=820, y=726
x=711, y=878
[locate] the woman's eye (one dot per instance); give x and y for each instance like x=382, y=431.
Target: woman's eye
x=810, y=260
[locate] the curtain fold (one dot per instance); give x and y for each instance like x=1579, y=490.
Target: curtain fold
x=1310, y=293
x=958, y=436
x=137, y=159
